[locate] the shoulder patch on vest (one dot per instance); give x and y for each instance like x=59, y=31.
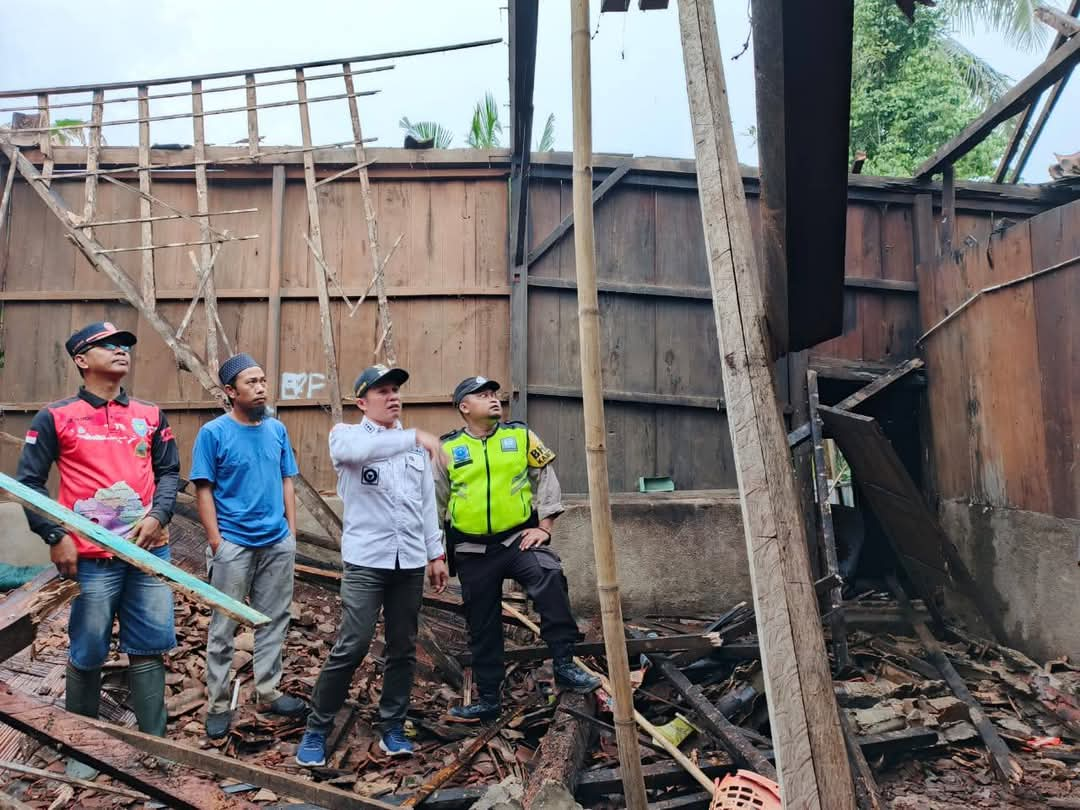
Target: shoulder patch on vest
x=540, y=455
x=448, y=436
x=515, y=424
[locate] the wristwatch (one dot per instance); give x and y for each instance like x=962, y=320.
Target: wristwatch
x=55, y=536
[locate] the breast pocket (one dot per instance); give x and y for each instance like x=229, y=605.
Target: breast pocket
x=414, y=475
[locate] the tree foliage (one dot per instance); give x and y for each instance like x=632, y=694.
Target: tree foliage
x=913, y=89
x=428, y=130
x=485, y=127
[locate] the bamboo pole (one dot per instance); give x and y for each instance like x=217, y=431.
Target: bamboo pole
x=93, y=150
x=146, y=229
x=205, y=229
x=45, y=143
x=607, y=576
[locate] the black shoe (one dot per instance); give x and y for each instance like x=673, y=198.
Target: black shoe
x=289, y=706
x=217, y=724
x=570, y=676
x=484, y=709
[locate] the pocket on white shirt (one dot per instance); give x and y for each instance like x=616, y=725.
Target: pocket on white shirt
x=414, y=474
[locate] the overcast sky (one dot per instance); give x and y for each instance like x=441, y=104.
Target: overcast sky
x=639, y=96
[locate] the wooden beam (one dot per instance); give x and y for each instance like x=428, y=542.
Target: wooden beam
x=701, y=644
x=948, y=208
x=560, y=230
x=276, y=258
x=93, y=150
x=6, y=196
x=146, y=230
x=1007, y=768
x=321, y=281
x=252, y=116
x=811, y=759
x=883, y=285
x=45, y=142
x=85, y=740
x=607, y=574
x=23, y=609
x=828, y=536
x=563, y=748
x=175, y=578
x=866, y=790
x=1055, y=67
x=39, y=773
x=203, y=206
x=638, y=397
x=524, y=16
x=278, y=781
x=1065, y=24
x=519, y=343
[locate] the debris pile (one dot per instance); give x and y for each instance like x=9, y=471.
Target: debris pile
x=698, y=681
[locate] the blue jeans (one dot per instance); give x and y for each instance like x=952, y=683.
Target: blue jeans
x=110, y=588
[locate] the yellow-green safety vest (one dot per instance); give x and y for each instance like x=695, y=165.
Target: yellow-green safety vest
x=490, y=493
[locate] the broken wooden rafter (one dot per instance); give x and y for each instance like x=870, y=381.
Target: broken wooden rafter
x=1024, y=92
x=699, y=644
x=22, y=610
x=1006, y=767
x=866, y=790
x=86, y=740
x=38, y=773
x=202, y=242
x=203, y=275
x=812, y=762
x=870, y=389
x=175, y=578
x=563, y=749
x=7, y=192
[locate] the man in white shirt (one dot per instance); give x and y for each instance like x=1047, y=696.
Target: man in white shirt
x=390, y=535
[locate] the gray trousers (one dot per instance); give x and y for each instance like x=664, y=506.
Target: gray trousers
x=266, y=575
x=364, y=590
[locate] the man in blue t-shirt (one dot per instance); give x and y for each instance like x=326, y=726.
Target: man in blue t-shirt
x=242, y=467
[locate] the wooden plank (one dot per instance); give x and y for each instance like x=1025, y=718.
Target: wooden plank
x=1022, y=93
x=147, y=229
x=315, y=230
x=276, y=259
x=1007, y=768
x=377, y=262
x=640, y=397
x=295, y=787
x=866, y=789
x=1065, y=24
x=54, y=776
x=701, y=644
x=811, y=761
x=948, y=208
x=563, y=748
x=524, y=15
x=23, y=609
x=311, y=500
x=93, y=150
x=45, y=142
x=828, y=537
x=560, y=230
x=519, y=343
x=175, y=578
x=252, y=116
x=86, y=741
x=5, y=197
x=206, y=234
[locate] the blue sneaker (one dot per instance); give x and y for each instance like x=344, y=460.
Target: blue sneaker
x=312, y=750
x=394, y=743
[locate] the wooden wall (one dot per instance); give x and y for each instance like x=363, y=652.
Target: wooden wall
x=1004, y=374
x=448, y=285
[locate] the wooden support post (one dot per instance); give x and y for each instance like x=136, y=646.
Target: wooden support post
x=802, y=455
x=203, y=203
x=948, y=208
x=811, y=760
x=276, y=257
x=6, y=196
x=369, y=217
x=519, y=343
x=93, y=151
x=252, y=117
x=607, y=575
x=175, y=578
x=562, y=750
x=321, y=281
x=45, y=142
x=866, y=790
x=86, y=741
x=1007, y=768
x=147, y=227
x=828, y=537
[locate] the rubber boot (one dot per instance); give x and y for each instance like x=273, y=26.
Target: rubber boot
x=82, y=695
x=146, y=680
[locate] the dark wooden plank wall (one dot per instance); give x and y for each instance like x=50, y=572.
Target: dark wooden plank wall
x=654, y=236
x=1004, y=375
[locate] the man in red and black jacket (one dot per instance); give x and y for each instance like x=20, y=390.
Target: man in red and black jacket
x=119, y=467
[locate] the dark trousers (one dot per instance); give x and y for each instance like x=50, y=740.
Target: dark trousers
x=363, y=592
x=537, y=570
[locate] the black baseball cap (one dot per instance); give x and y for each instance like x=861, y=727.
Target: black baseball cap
x=470, y=385
x=376, y=375
x=96, y=333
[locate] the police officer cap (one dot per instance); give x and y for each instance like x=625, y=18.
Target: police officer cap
x=233, y=366
x=95, y=333
x=470, y=385
x=376, y=375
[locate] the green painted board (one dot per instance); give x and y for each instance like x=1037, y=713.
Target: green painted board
x=175, y=578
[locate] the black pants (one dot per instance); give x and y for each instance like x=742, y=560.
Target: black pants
x=363, y=591
x=539, y=571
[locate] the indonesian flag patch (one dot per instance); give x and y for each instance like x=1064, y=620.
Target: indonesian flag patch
x=31, y=437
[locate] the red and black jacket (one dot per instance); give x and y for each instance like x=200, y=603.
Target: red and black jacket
x=118, y=461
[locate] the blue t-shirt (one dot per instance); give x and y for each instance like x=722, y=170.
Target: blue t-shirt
x=246, y=465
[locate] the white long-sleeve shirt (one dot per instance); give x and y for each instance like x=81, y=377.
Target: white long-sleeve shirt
x=386, y=485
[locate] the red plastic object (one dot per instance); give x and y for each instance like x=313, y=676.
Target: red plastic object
x=745, y=790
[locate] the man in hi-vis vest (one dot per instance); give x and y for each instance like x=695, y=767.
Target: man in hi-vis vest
x=499, y=498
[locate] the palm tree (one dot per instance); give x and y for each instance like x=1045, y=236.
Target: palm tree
x=1013, y=19
x=428, y=131
x=485, y=129
x=68, y=130
x=547, y=139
